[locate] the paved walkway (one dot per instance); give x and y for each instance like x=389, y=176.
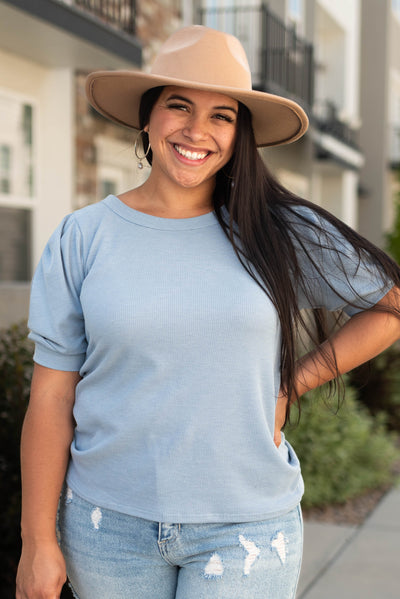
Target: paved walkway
x=347, y=562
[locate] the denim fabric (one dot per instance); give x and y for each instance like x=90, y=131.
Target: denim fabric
x=111, y=555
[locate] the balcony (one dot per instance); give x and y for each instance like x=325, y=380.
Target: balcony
x=283, y=63
x=116, y=13
x=333, y=138
x=80, y=34
x=280, y=61
x=327, y=119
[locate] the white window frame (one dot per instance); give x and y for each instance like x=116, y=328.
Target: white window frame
x=20, y=202
x=4, y=173
x=14, y=200
x=116, y=162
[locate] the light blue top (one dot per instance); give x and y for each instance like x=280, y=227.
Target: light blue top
x=178, y=348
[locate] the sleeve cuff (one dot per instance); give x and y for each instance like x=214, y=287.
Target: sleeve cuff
x=51, y=359
x=370, y=300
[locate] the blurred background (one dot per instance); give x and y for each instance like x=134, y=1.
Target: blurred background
x=340, y=59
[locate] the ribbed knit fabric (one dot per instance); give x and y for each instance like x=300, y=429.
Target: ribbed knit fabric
x=178, y=348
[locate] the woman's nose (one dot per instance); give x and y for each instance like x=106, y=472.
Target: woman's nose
x=196, y=128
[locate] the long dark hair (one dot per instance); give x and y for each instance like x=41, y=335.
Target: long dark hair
x=268, y=233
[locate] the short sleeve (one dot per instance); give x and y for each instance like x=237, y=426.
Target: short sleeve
x=350, y=282
x=55, y=317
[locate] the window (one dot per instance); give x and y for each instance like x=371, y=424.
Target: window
x=396, y=8
x=15, y=242
x=17, y=186
x=107, y=187
x=116, y=167
x=16, y=147
x=5, y=169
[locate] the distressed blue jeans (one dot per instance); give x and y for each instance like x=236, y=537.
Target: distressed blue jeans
x=111, y=555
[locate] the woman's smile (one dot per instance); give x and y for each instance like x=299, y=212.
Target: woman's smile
x=191, y=155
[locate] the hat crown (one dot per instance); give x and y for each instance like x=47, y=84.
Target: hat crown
x=204, y=56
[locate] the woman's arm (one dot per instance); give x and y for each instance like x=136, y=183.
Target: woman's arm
x=361, y=338
x=45, y=444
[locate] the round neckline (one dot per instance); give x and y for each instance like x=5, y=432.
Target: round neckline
x=159, y=222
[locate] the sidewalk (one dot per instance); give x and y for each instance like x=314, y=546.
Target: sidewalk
x=347, y=562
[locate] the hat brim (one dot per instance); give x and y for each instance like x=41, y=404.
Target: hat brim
x=116, y=95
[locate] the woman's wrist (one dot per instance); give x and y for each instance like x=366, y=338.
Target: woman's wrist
x=41, y=538
x=307, y=373
x=40, y=533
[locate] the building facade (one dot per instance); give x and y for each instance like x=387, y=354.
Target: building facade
x=380, y=114
x=338, y=58
x=56, y=153
x=307, y=50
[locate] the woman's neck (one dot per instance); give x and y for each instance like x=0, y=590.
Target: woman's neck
x=169, y=201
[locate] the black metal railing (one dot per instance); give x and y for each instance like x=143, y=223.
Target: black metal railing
x=280, y=61
x=288, y=61
x=120, y=14
x=327, y=119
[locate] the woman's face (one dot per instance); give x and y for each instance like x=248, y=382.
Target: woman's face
x=192, y=135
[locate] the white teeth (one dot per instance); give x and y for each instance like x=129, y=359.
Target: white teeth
x=190, y=155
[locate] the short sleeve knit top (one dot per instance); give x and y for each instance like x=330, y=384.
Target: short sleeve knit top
x=178, y=349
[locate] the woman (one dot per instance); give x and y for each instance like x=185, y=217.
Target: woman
x=165, y=326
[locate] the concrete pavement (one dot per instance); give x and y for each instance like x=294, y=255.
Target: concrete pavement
x=348, y=562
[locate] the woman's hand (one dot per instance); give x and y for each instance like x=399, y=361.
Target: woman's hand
x=41, y=572
x=280, y=416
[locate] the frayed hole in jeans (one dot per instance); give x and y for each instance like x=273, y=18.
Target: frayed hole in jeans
x=214, y=567
x=252, y=554
x=279, y=544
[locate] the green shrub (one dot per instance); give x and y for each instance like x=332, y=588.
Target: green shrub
x=393, y=238
x=378, y=385
x=16, y=367
x=15, y=376
x=341, y=454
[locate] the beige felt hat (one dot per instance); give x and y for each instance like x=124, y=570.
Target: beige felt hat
x=201, y=58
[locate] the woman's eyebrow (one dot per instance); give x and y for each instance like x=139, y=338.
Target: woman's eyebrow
x=177, y=97
x=226, y=108
x=183, y=99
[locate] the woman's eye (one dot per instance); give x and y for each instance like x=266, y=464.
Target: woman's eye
x=224, y=117
x=178, y=106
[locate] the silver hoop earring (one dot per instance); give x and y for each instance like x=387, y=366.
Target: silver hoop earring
x=232, y=179
x=135, y=147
